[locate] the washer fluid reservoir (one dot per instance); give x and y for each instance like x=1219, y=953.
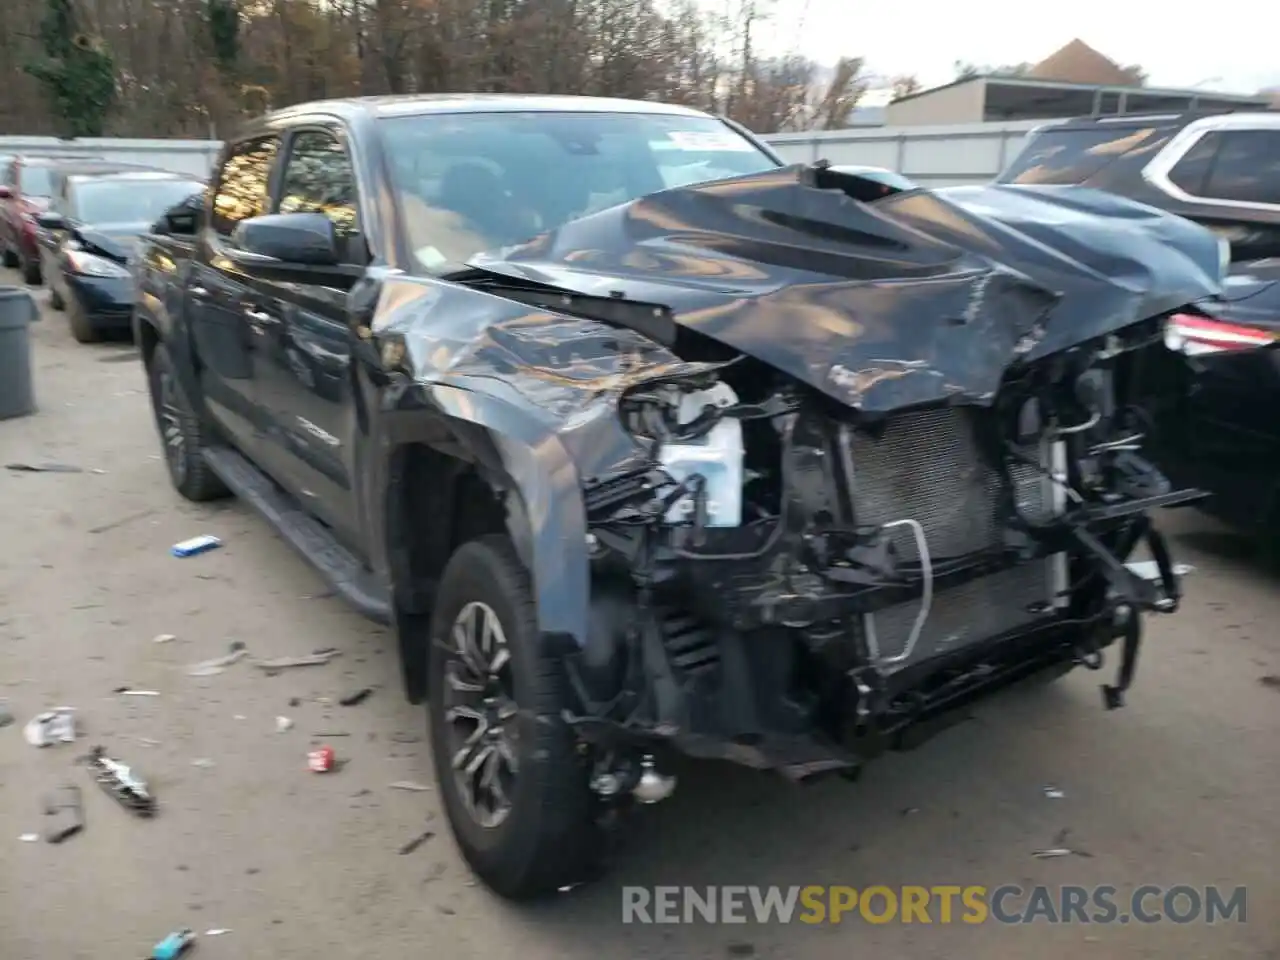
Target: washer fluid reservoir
x=716, y=455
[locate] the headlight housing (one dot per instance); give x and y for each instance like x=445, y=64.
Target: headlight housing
x=91, y=265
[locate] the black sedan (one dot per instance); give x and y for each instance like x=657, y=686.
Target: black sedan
x=88, y=237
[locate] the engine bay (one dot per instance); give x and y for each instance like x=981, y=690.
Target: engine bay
x=787, y=566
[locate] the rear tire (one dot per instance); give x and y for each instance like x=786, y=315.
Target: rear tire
x=548, y=836
x=31, y=273
x=10, y=259
x=183, y=435
x=55, y=300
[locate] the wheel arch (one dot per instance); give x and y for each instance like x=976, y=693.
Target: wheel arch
x=452, y=475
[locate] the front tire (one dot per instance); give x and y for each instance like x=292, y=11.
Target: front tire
x=514, y=788
x=55, y=299
x=83, y=328
x=183, y=434
x=31, y=272
x=10, y=259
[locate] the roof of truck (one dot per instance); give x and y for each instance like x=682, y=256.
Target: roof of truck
x=416, y=104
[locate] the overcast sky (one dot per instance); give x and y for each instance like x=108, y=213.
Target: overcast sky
x=1179, y=44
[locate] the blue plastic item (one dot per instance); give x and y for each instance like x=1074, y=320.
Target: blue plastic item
x=174, y=945
x=189, y=548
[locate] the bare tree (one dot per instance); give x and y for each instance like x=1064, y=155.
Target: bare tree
x=835, y=105
x=905, y=86
x=199, y=67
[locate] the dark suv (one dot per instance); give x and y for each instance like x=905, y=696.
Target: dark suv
x=1223, y=171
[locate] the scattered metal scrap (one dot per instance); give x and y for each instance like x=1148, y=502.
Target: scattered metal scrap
x=1059, y=848
x=65, y=811
x=319, y=658
x=209, y=668
x=416, y=842
x=121, y=783
x=43, y=468
x=53, y=726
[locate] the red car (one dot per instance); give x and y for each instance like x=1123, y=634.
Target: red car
x=25, y=186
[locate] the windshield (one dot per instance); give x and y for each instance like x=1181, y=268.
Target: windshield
x=128, y=201
x=35, y=181
x=473, y=183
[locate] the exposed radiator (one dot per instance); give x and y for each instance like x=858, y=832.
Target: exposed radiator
x=926, y=467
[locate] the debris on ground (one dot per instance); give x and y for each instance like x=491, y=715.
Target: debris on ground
x=133, y=692
x=53, y=726
x=283, y=724
x=147, y=741
x=174, y=945
x=210, y=668
x=65, y=810
x=327, y=734
x=406, y=738
x=30, y=838
x=321, y=760
x=1059, y=848
x=360, y=696
x=43, y=468
x=1054, y=793
x=196, y=545
x=6, y=715
x=413, y=785
x=121, y=784
x=216, y=932
x=204, y=763
x=416, y=842
x=1270, y=680
x=164, y=638
x=319, y=658
x=1052, y=852
x=140, y=515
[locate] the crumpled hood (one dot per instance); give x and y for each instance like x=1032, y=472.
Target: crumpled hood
x=116, y=240
x=917, y=298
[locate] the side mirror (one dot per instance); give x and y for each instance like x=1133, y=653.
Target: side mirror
x=291, y=248
x=51, y=221
x=6, y=193
x=179, y=223
x=289, y=239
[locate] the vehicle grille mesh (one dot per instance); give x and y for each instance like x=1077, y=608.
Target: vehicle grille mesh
x=926, y=466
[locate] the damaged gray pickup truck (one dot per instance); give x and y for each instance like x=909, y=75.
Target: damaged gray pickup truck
x=646, y=443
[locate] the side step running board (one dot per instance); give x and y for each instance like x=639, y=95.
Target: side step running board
x=336, y=564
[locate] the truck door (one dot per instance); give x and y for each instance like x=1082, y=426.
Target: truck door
x=220, y=300
x=303, y=365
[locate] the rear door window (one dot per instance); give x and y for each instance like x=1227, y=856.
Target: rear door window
x=1190, y=173
x=1073, y=156
x=1246, y=168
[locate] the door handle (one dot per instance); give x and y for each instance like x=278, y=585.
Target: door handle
x=198, y=292
x=260, y=316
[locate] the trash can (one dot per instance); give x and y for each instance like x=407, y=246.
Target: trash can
x=17, y=310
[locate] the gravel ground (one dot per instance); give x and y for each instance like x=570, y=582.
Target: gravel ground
x=1180, y=787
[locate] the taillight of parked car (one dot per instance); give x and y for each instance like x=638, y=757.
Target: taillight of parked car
x=1195, y=335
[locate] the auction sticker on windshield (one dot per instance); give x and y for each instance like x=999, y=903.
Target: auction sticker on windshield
x=699, y=141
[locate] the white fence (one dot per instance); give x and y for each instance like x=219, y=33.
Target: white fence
x=195, y=157
x=932, y=156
